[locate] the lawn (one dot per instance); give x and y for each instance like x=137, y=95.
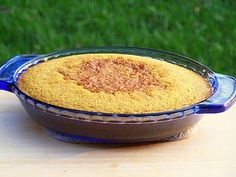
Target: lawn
x=204, y=30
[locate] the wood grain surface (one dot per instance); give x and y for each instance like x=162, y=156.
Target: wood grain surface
x=27, y=151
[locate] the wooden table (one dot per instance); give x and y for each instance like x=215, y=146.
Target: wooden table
x=27, y=151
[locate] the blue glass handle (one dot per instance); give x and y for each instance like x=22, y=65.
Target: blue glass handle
x=8, y=69
x=223, y=98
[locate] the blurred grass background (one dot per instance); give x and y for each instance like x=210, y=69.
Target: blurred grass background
x=201, y=29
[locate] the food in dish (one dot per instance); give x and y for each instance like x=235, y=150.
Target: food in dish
x=114, y=83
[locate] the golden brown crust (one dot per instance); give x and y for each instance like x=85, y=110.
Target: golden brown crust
x=111, y=75
x=115, y=83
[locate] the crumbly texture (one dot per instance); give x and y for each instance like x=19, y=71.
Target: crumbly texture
x=114, y=83
x=111, y=75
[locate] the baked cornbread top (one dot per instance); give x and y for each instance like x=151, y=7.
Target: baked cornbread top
x=114, y=83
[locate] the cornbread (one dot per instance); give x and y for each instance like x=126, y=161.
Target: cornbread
x=114, y=83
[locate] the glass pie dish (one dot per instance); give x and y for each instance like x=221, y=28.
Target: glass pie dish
x=77, y=126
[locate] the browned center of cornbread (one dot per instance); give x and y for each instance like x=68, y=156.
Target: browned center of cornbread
x=112, y=75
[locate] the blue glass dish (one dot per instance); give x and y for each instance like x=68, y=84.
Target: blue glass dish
x=96, y=127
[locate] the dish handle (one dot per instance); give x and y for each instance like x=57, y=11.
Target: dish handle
x=223, y=98
x=7, y=70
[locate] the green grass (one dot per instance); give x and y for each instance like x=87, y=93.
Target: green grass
x=203, y=30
